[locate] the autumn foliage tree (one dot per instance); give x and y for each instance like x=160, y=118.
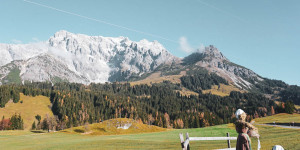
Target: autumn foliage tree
x=5, y=124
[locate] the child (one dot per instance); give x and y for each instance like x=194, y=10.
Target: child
x=243, y=140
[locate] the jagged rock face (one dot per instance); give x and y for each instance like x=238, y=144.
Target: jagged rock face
x=83, y=59
x=47, y=68
x=212, y=53
x=216, y=62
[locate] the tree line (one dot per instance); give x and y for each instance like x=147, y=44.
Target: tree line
x=158, y=104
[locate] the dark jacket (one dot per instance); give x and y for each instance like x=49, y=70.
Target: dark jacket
x=243, y=142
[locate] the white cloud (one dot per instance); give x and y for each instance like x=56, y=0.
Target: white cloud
x=201, y=48
x=184, y=45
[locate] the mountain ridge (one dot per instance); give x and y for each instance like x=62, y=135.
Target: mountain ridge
x=95, y=58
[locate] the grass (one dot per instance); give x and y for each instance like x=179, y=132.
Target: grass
x=13, y=76
x=282, y=118
x=110, y=127
x=222, y=90
x=29, y=108
x=25, y=140
x=270, y=136
x=288, y=138
x=158, y=140
x=156, y=78
x=186, y=92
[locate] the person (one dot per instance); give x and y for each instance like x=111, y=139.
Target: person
x=252, y=131
x=243, y=140
x=241, y=118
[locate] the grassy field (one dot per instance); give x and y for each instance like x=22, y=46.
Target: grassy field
x=270, y=136
x=282, y=118
x=156, y=78
x=29, y=108
x=222, y=90
x=158, y=140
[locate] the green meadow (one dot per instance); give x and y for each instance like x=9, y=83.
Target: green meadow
x=158, y=140
x=26, y=140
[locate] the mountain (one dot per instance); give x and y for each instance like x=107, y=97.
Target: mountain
x=209, y=71
x=69, y=57
x=214, y=61
x=80, y=58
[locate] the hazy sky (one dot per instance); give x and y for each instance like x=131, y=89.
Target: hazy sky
x=262, y=35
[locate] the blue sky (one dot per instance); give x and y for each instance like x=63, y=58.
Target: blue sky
x=262, y=35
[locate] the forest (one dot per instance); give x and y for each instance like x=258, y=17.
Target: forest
x=158, y=104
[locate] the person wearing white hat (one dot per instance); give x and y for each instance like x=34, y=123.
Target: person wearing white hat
x=242, y=125
x=241, y=116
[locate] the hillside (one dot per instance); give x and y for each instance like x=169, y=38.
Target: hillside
x=28, y=107
x=282, y=118
x=222, y=90
x=115, y=127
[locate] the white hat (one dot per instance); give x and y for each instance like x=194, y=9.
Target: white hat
x=238, y=113
x=277, y=147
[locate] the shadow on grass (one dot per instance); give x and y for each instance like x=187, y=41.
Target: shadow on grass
x=101, y=129
x=285, y=124
x=79, y=130
x=38, y=131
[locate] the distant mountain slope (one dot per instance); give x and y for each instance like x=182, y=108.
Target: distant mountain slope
x=83, y=59
x=203, y=71
x=214, y=61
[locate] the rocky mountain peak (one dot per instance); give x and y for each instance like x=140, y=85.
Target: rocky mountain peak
x=212, y=52
x=61, y=33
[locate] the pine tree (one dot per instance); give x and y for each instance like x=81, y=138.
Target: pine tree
x=45, y=125
x=289, y=107
x=38, y=118
x=33, y=127
x=17, y=122
x=15, y=95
